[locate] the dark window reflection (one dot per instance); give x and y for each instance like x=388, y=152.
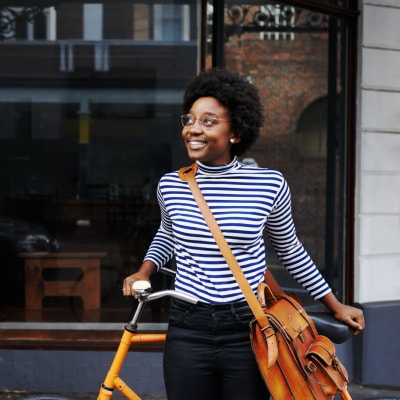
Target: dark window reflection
x=90, y=96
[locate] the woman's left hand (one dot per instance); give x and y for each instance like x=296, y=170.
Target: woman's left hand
x=351, y=316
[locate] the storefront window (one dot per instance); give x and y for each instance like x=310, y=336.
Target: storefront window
x=297, y=58
x=90, y=96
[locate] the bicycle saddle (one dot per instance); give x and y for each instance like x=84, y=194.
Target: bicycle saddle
x=329, y=326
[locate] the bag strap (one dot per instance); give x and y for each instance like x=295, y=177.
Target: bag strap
x=272, y=283
x=188, y=174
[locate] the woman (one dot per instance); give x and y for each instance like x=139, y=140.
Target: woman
x=208, y=353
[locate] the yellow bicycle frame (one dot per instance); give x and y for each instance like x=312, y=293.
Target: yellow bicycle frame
x=113, y=380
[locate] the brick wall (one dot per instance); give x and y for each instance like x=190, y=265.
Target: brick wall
x=290, y=76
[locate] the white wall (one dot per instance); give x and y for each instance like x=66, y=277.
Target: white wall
x=377, y=271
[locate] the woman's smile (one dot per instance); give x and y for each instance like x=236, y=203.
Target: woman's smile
x=196, y=144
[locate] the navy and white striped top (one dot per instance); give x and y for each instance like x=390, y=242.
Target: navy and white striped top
x=244, y=200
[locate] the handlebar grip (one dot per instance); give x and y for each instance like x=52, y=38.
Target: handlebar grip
x=141, y=286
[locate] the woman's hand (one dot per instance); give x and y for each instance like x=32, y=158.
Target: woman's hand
x=144, y=274
x=351, y=316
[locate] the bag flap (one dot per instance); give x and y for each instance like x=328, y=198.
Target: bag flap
x=323, y=349
x=287, y=319
x=284, y=313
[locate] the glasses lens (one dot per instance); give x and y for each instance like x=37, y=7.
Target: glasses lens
x=186, y=119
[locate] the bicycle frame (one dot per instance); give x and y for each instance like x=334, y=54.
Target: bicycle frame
x=130, y=335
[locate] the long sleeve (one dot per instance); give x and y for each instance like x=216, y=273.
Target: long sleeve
x=294, y=257
x=162, y=247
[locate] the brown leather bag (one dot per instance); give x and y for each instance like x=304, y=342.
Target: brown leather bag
x=295, y=362
x=307, y=367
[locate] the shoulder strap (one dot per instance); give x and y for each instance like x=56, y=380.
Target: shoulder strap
x=272, y=283
x=188, y=174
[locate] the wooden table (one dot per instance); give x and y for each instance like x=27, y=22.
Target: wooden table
x=87, y=287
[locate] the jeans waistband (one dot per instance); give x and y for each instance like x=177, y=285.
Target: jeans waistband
x=205, y=317
x=222, y=307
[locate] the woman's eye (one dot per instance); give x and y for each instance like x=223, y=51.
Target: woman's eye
x=208, y=121
x=189, y=120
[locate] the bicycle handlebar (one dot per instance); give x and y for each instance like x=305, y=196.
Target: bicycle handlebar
x=145, y=296
x=177, y=295
x=142, y=290
x=167, y=271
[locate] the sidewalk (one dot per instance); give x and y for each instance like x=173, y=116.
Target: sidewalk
x=357, y=392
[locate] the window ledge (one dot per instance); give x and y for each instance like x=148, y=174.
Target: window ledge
x=63, y=336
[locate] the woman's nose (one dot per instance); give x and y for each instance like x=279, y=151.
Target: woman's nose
x=195, y=127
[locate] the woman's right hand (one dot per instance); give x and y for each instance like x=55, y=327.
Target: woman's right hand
x=144, y=274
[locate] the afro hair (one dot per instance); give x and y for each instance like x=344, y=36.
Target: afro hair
x=238, y=95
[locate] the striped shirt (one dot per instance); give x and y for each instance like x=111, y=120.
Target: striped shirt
x=244, y=200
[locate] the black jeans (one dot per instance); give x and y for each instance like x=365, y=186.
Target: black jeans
x=208, y=354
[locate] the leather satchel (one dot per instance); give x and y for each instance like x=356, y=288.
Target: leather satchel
x=294, y=360
x=307, y=366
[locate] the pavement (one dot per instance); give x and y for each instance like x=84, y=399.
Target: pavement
x=357, y=392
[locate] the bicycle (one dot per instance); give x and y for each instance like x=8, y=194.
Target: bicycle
x=130, y=335
x=325, y=323
x=337, y=331
x=332, y=328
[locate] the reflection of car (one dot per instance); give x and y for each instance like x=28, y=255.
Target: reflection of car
x=22, y=236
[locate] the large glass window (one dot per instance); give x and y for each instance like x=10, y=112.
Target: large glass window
x=299, y=60
x=90, y=95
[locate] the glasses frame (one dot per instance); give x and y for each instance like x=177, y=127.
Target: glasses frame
x=200, y=120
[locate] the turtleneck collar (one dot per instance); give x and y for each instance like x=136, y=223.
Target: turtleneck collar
x=217, y=170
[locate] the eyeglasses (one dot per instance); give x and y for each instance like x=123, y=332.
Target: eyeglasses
x=206, y=120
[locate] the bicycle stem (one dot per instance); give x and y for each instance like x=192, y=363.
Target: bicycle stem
x=146, y=297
